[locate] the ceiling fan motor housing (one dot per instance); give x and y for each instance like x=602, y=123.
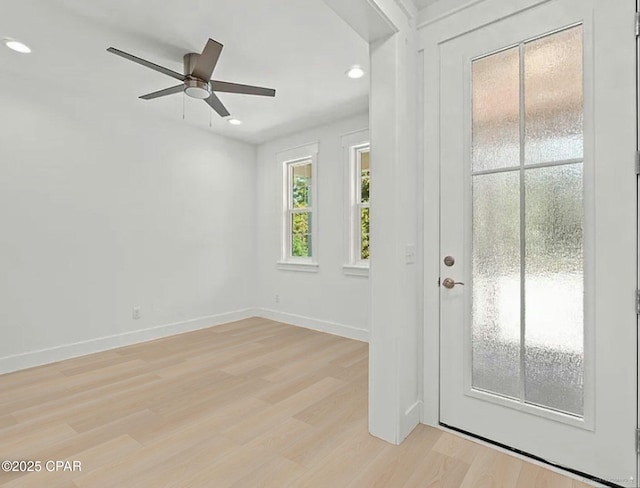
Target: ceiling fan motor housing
x=189, y=62
x=194, y=87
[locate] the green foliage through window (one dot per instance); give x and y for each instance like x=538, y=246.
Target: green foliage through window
x=365, y=179
x=364, y=215
x=364, y=228
x=301, y=234
x=301, y=220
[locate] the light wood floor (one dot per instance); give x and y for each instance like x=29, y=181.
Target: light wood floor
x=249, y=404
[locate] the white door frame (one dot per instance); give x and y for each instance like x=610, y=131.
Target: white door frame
x=395, y=264
x=638, y=221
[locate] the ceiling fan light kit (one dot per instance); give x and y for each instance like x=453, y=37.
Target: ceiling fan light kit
x=197, y=89
x=196, y=78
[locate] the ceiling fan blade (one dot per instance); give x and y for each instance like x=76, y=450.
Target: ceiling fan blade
x=214, y=102
x=224, y=86
x=163, y=93
x=207, y=60
x=147, y=64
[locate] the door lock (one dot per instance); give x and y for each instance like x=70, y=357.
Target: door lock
x=449, y=283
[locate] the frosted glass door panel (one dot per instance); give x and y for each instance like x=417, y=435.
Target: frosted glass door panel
x=554, y=289
x=496, y=133
x=496, y=283
x=527, y=324
x=553, y=97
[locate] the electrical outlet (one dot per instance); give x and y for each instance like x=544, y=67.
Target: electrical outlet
x=135, y=313
x=277, y=298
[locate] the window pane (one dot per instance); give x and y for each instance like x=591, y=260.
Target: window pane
x=301, y=185
x=364, y=176
x=496, y=110
x=364, y=233
x=554, y=290
x=496, y=283
x=553, y=97
x=301, y=234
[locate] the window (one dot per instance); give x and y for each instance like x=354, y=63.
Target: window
x=299, y=208
x=357, y=158
x=360, y=205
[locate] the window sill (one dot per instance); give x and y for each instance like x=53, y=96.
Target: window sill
x=305, y=267
x=356, y=270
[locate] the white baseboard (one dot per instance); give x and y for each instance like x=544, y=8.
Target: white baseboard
x=315, y=324
x=67, y=351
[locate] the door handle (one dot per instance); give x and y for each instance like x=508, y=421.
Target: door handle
x=449, y=283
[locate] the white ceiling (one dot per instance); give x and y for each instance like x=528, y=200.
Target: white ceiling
x=299, y=47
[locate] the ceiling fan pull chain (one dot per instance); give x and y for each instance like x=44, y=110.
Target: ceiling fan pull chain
x=209, y=118
x=183, y=96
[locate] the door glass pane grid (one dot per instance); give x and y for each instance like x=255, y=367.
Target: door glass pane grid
x=496, y=283
x=496, y=111
x=553, y=97
x=527, y=225
x=554, y=287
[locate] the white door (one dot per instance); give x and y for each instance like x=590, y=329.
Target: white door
x=538, y=208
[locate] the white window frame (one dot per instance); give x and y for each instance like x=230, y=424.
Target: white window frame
x=287, y=160
x=353, y=145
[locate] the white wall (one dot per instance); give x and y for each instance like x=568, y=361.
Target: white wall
x=103, y=207
x=327, y=300
x=396, y=246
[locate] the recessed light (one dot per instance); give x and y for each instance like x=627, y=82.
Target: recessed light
x=355, y=72
x=17, y=46
x=235, y=121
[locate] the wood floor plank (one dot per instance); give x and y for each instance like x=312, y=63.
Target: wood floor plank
x=119, y=447
x=337, y=469
x=254, y=403
x=531, y=476
x=457, y=447
x=439, y=470
x=199, y=422
x=65, y=405
x=395, y=464
x=7, y=421
x=259, y=422
x=274, y=474
x=491, y=468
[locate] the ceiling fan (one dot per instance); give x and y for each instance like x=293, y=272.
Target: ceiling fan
x=196, y=80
